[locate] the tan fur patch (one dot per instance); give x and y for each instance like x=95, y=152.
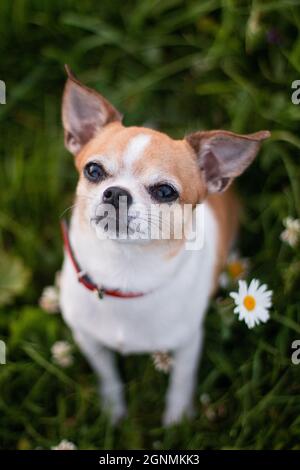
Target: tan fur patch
x=226, y=208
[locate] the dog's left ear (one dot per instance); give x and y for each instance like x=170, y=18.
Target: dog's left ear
x=84, y=113
x=223, y=155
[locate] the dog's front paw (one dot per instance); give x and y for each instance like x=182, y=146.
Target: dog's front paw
x=175, y=414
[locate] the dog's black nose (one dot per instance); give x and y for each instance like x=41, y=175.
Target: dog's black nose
x=112, y=196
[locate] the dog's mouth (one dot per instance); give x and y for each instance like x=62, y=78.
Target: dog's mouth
x=119, y=226
x=108, y=223
x=135, y=223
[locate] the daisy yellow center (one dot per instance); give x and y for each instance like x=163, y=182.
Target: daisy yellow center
x=235, y=269
x=249, y=302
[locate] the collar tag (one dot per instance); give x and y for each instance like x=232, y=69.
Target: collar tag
x=100, y=293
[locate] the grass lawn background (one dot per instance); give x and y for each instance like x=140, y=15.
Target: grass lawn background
x=178, y=66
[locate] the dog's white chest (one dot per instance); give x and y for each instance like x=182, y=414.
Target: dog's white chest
x=171, y=309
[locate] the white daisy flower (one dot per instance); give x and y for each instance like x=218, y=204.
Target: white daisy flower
x=62, y=353
x=291, y=234
x=65, y=445
x=236, y=268
x=252, y=303
x=162, y=361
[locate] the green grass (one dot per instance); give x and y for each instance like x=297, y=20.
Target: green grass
x=181, y=66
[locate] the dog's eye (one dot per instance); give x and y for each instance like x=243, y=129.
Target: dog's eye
x=163, y=192
x=94, y=172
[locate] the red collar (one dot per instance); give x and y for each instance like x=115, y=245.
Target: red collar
x=84, y=278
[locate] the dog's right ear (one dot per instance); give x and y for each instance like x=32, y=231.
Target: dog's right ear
x=84, y=113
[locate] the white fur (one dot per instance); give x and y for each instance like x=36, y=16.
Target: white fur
x=135, y=149
x=168, y=318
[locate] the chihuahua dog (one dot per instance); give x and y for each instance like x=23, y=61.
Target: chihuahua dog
x=152, y=292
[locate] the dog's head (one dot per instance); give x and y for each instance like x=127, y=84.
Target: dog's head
x=125, y=173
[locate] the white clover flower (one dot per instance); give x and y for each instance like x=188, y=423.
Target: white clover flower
x=49, y=300
x=205, y=399
x=210, y=413
x=162, y=361
x=65, y=445
x=224, y=280
x=252, y=303
x=291, y=234
x=62, y=353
